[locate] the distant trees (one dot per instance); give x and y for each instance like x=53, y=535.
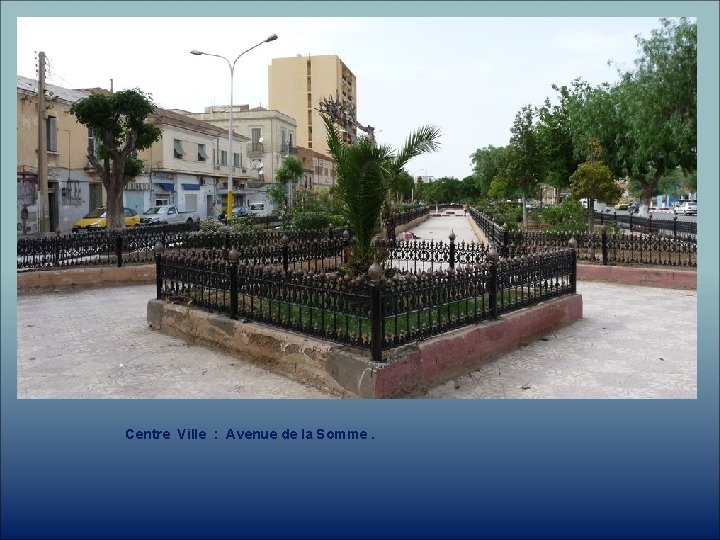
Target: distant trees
x=646, y=125
x=118, y=122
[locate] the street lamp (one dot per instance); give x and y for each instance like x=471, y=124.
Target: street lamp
x=231, y=162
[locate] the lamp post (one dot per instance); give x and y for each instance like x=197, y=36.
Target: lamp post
x=231, y=162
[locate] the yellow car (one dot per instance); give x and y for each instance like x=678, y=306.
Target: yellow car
x=95, y=220
x=622, y=206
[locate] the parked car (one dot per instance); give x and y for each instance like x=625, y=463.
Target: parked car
x=258, y=209
x=237, y=212
x=633, y=208
x=167, y=213
x=97, y=220
x=622, y=206
x=687, y=208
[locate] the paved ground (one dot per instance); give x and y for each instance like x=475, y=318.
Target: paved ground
x=96, y=344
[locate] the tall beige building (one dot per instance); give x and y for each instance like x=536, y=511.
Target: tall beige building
x=297, y=84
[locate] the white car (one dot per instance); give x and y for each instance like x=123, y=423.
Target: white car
x=687, y=208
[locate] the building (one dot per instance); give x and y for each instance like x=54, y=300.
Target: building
x=271, y=134
x=296, y=85
x=73, y=186
x=188, y=166
x=320, y=172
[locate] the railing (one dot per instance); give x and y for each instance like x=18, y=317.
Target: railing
x=390, y=310
x=600, y=247
x=401, y=218
x=99, y=248
x=687, y=230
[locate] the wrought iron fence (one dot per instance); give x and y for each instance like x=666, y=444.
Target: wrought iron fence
x=394, y=309
x=99, y=248
x=600, y=247
x=686, y=230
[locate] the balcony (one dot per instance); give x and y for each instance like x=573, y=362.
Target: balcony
x=256, y=149
x=287, y=148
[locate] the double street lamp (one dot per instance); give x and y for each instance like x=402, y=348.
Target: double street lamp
x=231, y=160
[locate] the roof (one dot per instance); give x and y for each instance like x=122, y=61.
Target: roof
x=52, y=91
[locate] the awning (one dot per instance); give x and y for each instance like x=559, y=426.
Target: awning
x=167, y=186
x=191, y=187
x=201, y=151
x=179, y=148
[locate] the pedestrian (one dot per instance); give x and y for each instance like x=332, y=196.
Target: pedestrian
x=465, y=209
x=214, y=210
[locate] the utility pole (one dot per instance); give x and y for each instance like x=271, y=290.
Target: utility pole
x=44, y=204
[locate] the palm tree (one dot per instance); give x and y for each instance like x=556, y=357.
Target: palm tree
x=365, y=175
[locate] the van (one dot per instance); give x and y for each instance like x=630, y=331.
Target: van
x=257, y=209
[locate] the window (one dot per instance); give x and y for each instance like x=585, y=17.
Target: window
x=51, y=124
x=256, y=134
x=223, y=157
x=236, y=160
x=202, y=155
x=178, y=149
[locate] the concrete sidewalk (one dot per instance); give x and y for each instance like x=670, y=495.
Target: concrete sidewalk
x=633, y=342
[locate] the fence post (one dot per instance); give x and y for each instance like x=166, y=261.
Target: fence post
x=631, y=221
x=376, y=315
x=226, y=246
x=675, y=226
x=158, y=269
x=492, y=259
x=604, y=247
x=118, y=249
x=504, y=247
x=452, y=248
x=573, y=262
x=650, y=223
x=285, y=252
x=234, y=257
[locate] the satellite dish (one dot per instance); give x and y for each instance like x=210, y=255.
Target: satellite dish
x=260, y=140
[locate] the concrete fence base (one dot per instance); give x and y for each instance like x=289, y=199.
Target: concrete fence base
x=349, y=372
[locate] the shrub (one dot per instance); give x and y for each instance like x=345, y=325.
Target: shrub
x=570, y=216
x=303, y=221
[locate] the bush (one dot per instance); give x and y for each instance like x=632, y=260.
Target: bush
x=570, y=216
x=303, y=221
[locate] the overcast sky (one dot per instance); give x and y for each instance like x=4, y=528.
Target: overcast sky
x=467, y=75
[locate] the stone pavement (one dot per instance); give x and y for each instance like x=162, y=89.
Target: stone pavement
x=633, y=342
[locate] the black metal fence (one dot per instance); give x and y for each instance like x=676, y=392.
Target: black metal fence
x=393, y=309
x=686, y=230
x=104, y=248
x=602, y=247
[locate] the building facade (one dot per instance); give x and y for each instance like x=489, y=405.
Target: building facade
x=320, y=172
x=296, y=85
x=187, y=166
x=73, y=186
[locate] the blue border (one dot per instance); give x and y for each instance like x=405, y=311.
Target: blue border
x=503, y=469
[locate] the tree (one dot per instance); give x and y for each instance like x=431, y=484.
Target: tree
x=290, y=171
x=365, y=173
x=485, y=163
x=118, y=122
x=403, y=186
x=522, y=163
x=593, y=180
x=659, y=102
x=555, y=142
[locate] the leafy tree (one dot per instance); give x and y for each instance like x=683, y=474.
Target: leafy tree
x=659, y=102
x=485, y=163
x=555, y=142
x=290, y=171
x=365, y=173
x=522, y=163
x=593, y=180
x=570, y=216
x=118, y=122
x=403, y=186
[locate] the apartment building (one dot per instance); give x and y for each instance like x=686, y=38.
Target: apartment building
x=271, y=135
x=320, y=172
x=188, y=166
x=296, y=85
x=73, y=186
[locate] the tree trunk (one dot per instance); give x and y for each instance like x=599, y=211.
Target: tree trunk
x=115, y=211
x=591, y=215
x=524, y=211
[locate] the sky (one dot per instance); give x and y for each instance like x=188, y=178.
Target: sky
x=467, y=75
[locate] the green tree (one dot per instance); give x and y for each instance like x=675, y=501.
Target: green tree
x=593, y=180
x=118, y=122
x=365, y=173
x=659, y=103
x=555, y=142
x=522, y=164
x=403, y=187
x=286, y=177
x=485, y=162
